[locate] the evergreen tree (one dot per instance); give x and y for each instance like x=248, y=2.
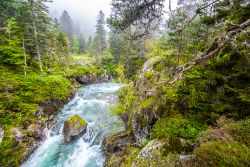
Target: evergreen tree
x=77, y=30
x=10, y=50
x=75, y=44
x=115, y=45
x=67, y=23
x=100, y=38
x=82, y=44
x=90, y=46
x=8, y=10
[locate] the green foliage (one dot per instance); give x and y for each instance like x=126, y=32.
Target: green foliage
x=176, y=127
x=126, y=100
x=144, y=142
x=124, y=106
x=221, y=154
x=79, y=70
x=149, y=75
x=240, y=131
x=132, y=64
x=75, y=44
x=118, y=109
x=146, y=104
x=174, y=146
x=10, y=50
x=207, y=92
x=120, y=73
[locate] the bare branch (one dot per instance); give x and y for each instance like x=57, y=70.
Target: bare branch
x=198, y=11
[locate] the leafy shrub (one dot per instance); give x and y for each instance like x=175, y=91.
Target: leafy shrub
x=176, y=127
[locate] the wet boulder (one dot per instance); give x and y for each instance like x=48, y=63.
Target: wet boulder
x=74, y=128
x=159, y=152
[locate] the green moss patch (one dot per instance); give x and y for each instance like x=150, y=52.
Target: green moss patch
x=222, y=153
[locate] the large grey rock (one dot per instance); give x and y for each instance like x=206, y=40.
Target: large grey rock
x=74, y=128
x=166, y=152
x=37, y=131
x=141, y=130
x=1, y=134
x=148, y=65
x=151, y=150
x=18, y=135
x=145, y=116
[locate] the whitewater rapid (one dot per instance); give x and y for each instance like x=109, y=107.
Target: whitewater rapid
x=92, y=104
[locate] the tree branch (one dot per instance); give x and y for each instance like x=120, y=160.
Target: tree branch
x=210, y=53
x=198, y=11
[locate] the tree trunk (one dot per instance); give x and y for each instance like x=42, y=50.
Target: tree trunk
x=36, y=40
x=25, y=59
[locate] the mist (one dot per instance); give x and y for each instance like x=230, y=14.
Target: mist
x=83, y=12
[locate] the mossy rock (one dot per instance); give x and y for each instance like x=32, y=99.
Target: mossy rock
x=154, y=153
x=74, y=128
x=221, y=153
x=119, y=149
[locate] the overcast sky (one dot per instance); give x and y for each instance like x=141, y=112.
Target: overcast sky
x=82, y=11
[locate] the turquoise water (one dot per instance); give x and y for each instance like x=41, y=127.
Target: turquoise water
x=92, y=104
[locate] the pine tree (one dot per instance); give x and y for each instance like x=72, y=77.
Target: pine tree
x=100, y=38
x=115, y=45
x=75, y=44
x=82, y=44
x=67, y=23
x=10, y=50
x=90, y=46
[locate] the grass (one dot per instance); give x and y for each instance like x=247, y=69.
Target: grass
x=82, y=58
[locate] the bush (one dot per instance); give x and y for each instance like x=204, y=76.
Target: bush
x=176, y=127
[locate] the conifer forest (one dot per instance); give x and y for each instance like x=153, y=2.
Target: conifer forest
x=125, y=83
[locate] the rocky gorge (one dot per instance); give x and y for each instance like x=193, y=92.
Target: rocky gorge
x=158, y=136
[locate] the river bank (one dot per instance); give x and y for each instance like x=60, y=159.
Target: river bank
x=31, y=106
x=91, y=103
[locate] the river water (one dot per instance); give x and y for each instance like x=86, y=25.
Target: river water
x=92, y=104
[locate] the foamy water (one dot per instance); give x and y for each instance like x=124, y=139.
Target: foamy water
x=92, y=104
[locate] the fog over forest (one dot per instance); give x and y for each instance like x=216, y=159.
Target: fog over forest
x=82, y=11
x=85, y=12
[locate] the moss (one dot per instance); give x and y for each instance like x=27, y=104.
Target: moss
x=76, y=121
x=173, y=146
x=131, y=155
x=177, y=126
x=240, y=130
x=148, y=75
x=147, y=103
x=221, y=154
x=119, y=149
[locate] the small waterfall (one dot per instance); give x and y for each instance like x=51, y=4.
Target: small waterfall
x=86, y=151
